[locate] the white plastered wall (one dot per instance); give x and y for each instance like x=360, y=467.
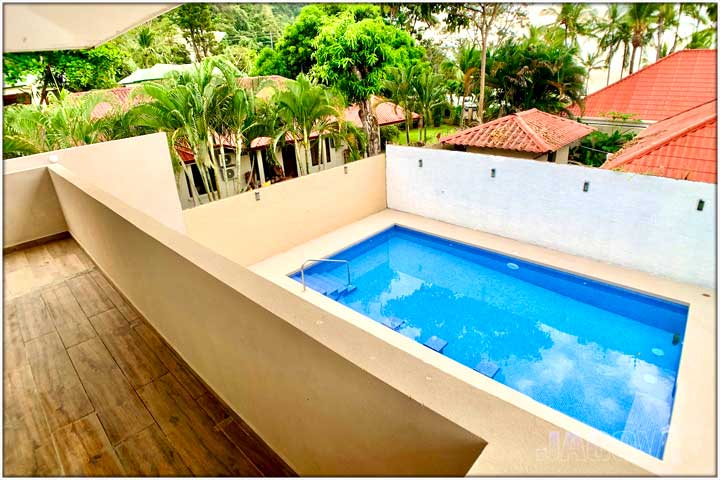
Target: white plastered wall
x=638, y=221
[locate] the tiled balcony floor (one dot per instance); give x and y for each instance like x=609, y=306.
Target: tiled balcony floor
x=92, y=389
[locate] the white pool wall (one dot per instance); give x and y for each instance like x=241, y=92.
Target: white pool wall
x=637, y=221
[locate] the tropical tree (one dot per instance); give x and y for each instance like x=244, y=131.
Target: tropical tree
x=591, y=61
x=354, y=57
x=639, y=17
x=146, y=45
x=183, y=106
x=197, y=23
x=488, y=19
x=576, y=20
x=67, y=121
x=523, y=75
x=613, y=34
x=399, y=88
x=665, y=18
x=304, y=108
x=429, y=92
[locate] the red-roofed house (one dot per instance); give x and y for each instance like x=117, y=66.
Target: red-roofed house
x=531, y=134
x=683, y=146
x=670, y=86
x=262, y=167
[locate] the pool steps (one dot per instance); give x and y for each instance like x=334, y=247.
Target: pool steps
x=436, y=343
x=489, y=369
x=329, y=285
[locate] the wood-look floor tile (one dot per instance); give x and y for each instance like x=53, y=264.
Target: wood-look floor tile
x=171, y=361
x=127, y=311
x=91, y=299
x=131, y=353
x=203, y=449
x=32, y=316
x=70, y=265
x=15, y=261
x=22, y=460
x=44, y=269
x=27, y=445
x=18, y=283
x=85, y=449
x=213, y=407
x=118, y=407
x=149, y=454
x=61, y=393
x=264, y=458
x=14, y=352
x=69, y=319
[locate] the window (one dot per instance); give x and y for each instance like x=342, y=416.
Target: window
x=551, y=157
x=197, y=180
x=314, y=154
x=328, y=158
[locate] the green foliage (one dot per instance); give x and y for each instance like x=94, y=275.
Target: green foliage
x=66, y=122
x=524, y=75
x=197, y=22
x=389, y=133
x=91, y=69
x=354, y=55
x=594, y=148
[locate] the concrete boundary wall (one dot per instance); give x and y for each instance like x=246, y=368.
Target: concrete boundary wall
x=137, y=170
x=642, y=222
x=288, y=213
x=322, y=413
x=31, y=210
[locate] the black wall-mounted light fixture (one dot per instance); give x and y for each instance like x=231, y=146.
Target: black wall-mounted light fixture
x=492, y=172
x=700, y=205
x=346, y=169
x=420, y=162
x=257, y=195
x=586, y=186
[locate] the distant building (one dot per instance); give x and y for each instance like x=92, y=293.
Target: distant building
x=665, y=88
x=683, y=146
x=531, y=134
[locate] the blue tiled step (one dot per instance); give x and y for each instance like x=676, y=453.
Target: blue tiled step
x=489, y=369
x=647, y=424
x=328, y=285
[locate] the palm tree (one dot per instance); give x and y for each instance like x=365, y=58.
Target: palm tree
x=613, y=33
x=429, y=90
x=184, y=107
x=67, y=121
x=398, y=84
x=575, y=18
x=664, y=18
x=303, y=105
x=146, y=43
x=591, y=61
x=639, y=17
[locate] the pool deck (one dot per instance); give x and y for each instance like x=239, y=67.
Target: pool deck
x=691, y=444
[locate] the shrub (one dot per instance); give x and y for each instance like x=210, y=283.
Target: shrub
x=594, y=148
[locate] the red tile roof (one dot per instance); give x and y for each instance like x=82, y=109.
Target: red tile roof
x=675, y=83
x=683, y=146
x=387, y=113
x=528, y=131
x=121, y=94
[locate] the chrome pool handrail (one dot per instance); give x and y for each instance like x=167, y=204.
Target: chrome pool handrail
x=302, y=267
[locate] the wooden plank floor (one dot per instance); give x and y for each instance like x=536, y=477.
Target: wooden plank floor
x=91, y=389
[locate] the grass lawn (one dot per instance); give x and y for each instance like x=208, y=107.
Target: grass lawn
x=432, y=132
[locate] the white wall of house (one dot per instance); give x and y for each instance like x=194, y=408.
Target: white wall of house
x=561, y=156
x=638, y=221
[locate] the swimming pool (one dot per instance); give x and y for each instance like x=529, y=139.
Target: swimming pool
x=601, y=354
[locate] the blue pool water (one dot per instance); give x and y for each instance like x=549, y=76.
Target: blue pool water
x=604, y=355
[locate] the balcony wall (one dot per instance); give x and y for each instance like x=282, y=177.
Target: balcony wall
x=289, y=213
x=260, y=348
x=641, y=222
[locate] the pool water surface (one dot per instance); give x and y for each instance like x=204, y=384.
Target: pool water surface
x=601, y=354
